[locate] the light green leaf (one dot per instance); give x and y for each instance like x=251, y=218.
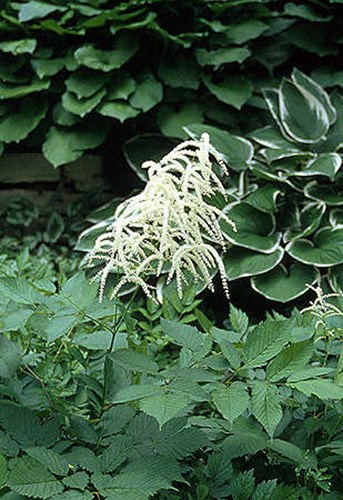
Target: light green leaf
x=241, y=262
x=265, y=490
x=283, y=285
x=184, y=335
x=136, y=392
x=118, y=109
x=81, y=107
x=221, y=56
x=180, y=72
x=322, y=388
x=17, y=47
x=255, y=229
x=265, y=341
x=29, y=477
x=234, y=90
x=147, y=94
x=10, y=358
x=86, y=82
x=172, y=122
x=11, y=91
x=78, y=293
x=17, y=125
x=37, y=10
x=63, y=146
x=134, y=361
x=80, y=481
x=124, y=48
x=56, y=463
x=238, y=319
x=289, y=360
x=303, y=116
x=19, y=290
x=237, y=151
x=324, y=250
x=120, y=449
x=165, y=406
x=99, y=340
x=266, y=406
x=231, y=401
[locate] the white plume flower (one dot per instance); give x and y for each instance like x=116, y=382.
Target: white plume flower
x=169, y=227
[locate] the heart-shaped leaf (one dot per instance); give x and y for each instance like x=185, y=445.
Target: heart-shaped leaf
x=325, y=250
x=308, y=222
x=241, y=262
x=331, y=194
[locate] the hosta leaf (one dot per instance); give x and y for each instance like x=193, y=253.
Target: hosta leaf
x=234, y=90
x=283, y=285
x=147, y=94
x=118, y=109
x=134, y=361
x=107, y=60
x=17, y=47
x=221, y=56
x=165, y=406
x=10, y=357
x=21, y=121
x=63, y=146
x=231, y=401
x=264, y=198
x=330, y=194
x=81, y=107
x=303, y=116
x=29, y=477
x=85, y=82
x=270, y=137
x=265, y=341
x=266, y=406
x=309, y=220
x=180, y=72
x=237, y=151
x=305, y=12
x=322, y=388
x=173, y=121
x=290, y=359
x=326, y=248
x=255, y=229
x=37, y=10
x=326, y=164
x=241, y=262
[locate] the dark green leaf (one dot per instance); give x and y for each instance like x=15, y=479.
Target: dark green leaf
x=234, y=90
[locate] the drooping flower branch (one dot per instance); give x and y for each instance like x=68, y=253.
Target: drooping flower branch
x=169, y=227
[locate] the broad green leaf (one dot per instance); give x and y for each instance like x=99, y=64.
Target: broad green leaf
x=145, y=147
x=59, y=325
x=310, y=372
x=78, y=293
x=237, y=151
x=242, y=32
x=246, y=439
x=56, y=463
x=15, y=319
x=99, y=340
x=86, y=82
x=80, y=481
x=29, y=477
x=290, y=359
x=325, y=77
x=322, y=388
x=180, y=72
x=17, y=47
x=134, y=361
x=22, y=120
x=63, y=146
x=121, y=86
x=305, y=12
x=172, y=121
x=83, y=106
x=303, y=116
x=324, y=250
x=63, y=117
x=255, y=229
x=114, y=455
x=316, y=40
x=147, y=94
x=165, y=406
x=265, y=341
x=270, y=137
x=184, y=335
x=330, y=194
x=10, y=358
x=234, y=90
x=231, y=401
x=37, y=10
x=107, y=60
x=118, y=109
x=115, y=419
x=326, y=164
x=264, y=198
x=47, y=67
x=309, y=220
x=136, y=392
x=283, y=285
x=266, y=406
x=221, y=56
x=3, y=471
x=11, y=91
x=293, y=453
x=19, y=290
x=241, y=262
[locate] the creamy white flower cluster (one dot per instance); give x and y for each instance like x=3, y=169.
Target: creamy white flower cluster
x=169, y=227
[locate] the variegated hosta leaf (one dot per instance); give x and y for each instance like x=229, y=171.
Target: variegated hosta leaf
x=324, y=250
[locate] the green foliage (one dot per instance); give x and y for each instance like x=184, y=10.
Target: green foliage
x=160, y=65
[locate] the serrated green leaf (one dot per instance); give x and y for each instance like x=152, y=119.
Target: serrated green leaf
x=10, y=358
x=231, y=401
x=322, y=388
x=184, y=335
x=134, y=361
x=264, y=490
x=265, y=341
x=242, y=486
x=28, y=477
x=165, y=406
x=3, y=471
x=266, y=406
x=289, y=360
x=20, y=291
x=239, y=320
x=136, y=392
x=77, y=480
x=114, y=455
x=57, y=464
